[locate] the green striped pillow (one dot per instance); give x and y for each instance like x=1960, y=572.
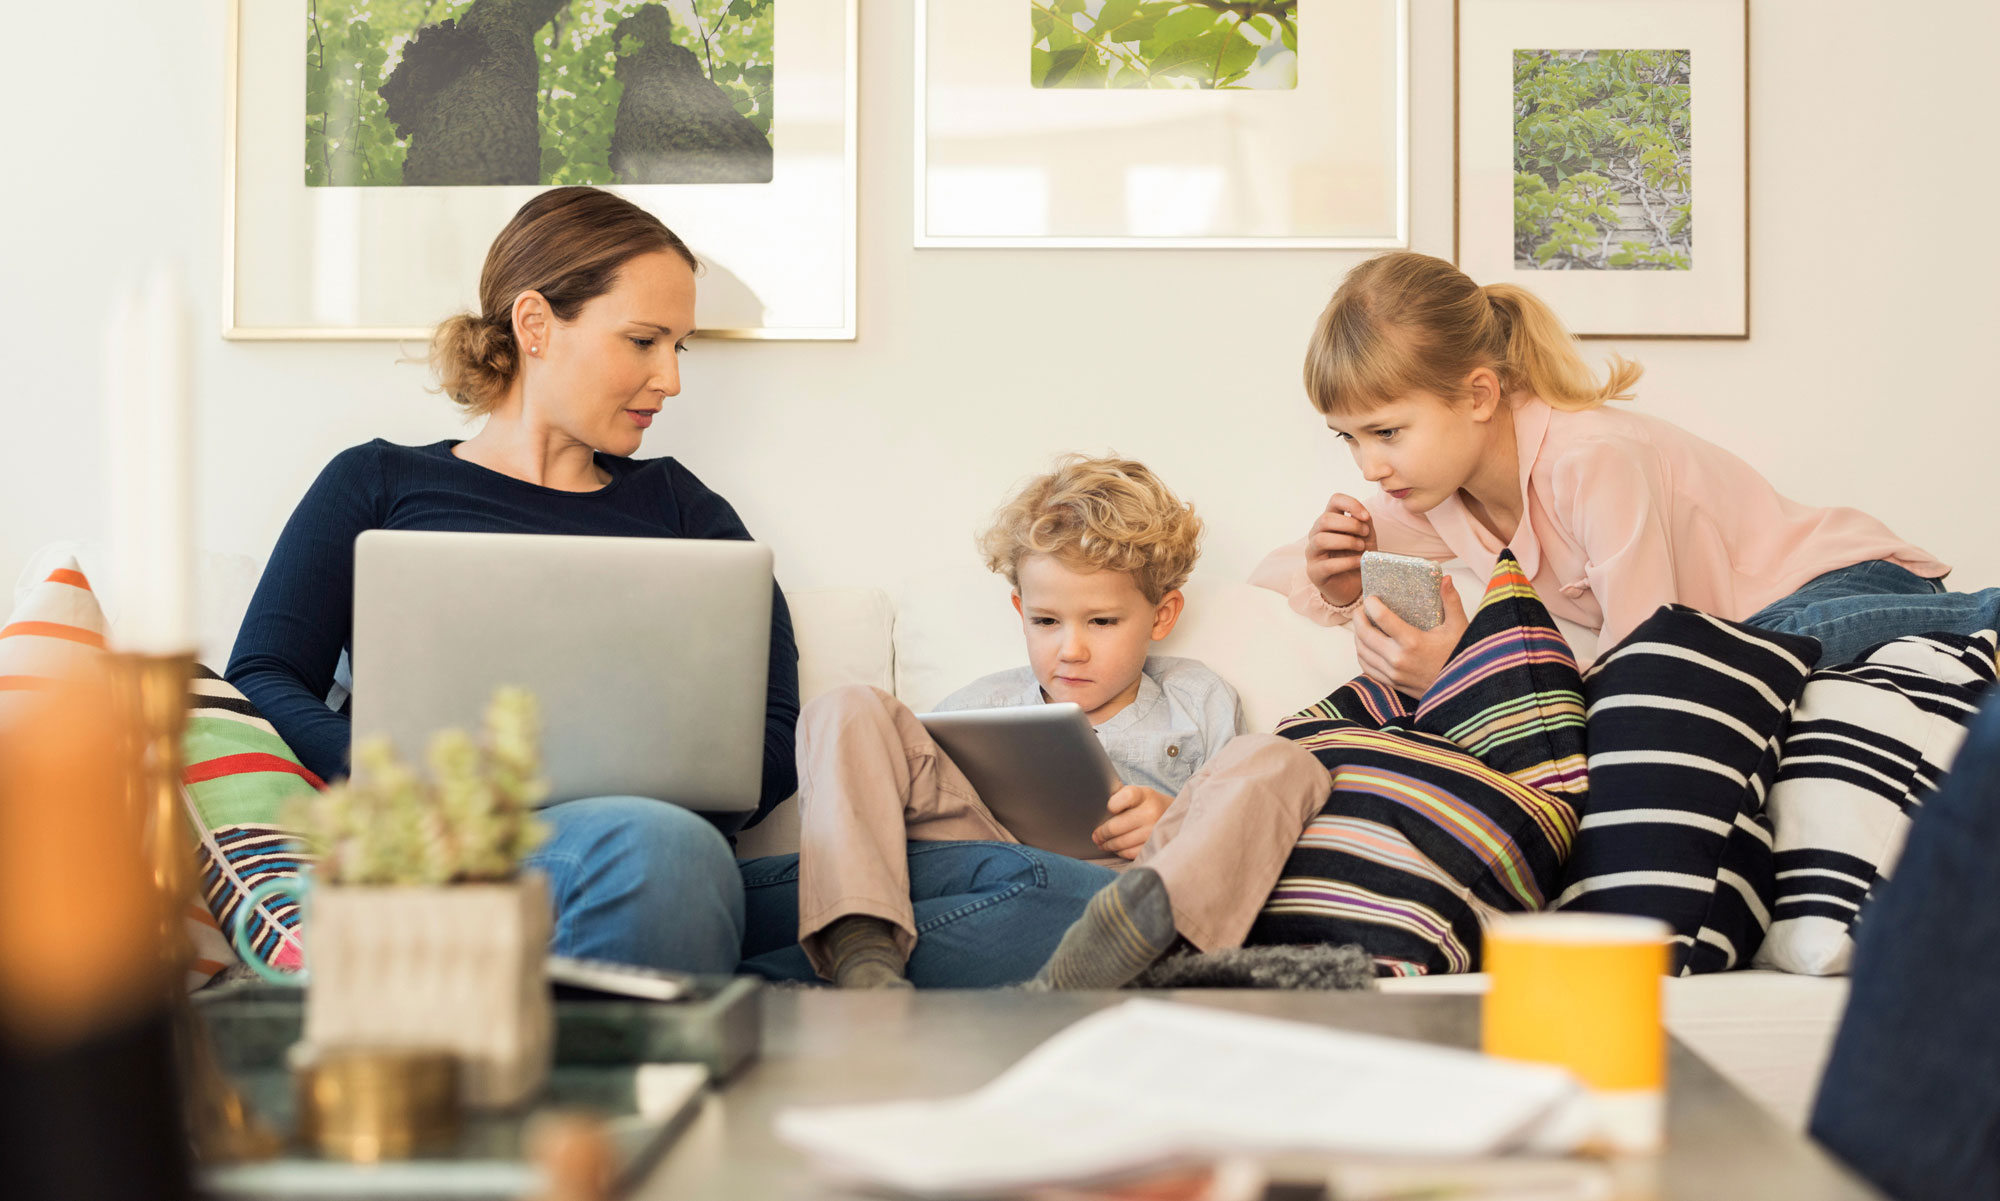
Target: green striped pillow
x=239, y=779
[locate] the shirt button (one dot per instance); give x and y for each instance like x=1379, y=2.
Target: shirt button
x=1173, y=751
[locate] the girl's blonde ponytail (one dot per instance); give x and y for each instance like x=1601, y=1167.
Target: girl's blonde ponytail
x=1407, y=323
x=1541, y=355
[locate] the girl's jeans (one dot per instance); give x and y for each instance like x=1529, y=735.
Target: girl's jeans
x=1854, y=608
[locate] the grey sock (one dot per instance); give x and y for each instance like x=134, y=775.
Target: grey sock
x=864, y=952
x=1128, y=924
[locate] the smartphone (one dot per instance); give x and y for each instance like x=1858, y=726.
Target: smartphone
x=1412, y=587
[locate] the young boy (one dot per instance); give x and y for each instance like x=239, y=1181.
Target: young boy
x=1097, y=551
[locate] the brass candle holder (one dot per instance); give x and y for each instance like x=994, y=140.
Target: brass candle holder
x=153, y=689
x=368, y=1104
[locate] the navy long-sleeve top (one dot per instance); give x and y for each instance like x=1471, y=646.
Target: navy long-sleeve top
x=302, y=617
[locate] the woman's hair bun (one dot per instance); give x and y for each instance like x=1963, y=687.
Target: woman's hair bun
x=474, y=360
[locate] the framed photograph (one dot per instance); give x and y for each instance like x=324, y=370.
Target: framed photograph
x=375, y=147
x=1603, y=160
x=1172, y=123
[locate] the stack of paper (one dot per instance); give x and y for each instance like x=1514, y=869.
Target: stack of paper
x=1152, y=1082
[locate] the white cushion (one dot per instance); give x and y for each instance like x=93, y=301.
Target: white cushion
x=844, y=637
x=1278, y=661
x=953, y=627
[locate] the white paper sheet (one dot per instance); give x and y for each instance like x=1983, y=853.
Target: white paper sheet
x=1189, y=1082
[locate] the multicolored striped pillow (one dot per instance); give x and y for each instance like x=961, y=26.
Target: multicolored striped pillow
x=1438, y=817
x=238, y=777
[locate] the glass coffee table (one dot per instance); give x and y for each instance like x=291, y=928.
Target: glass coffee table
x=821, y=1046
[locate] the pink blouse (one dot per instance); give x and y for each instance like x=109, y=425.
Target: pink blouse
x=1624, y=513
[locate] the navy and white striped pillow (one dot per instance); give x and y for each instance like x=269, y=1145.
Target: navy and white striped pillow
x=1685, y=717
x=1867, y=742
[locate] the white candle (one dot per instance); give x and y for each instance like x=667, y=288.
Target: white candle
x=151, y=467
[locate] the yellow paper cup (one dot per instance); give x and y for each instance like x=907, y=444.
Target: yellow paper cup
x=1582, y=991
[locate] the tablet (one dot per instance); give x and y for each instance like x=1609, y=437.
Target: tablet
x=1039, y=768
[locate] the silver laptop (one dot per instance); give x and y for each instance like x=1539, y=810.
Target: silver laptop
x=649, y=655
x=1041, y=769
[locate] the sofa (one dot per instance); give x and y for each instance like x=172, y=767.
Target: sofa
x=1769, y=1032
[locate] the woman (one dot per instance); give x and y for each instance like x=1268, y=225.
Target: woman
x=586, y=302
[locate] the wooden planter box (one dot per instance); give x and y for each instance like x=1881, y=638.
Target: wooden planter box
x=459, y=967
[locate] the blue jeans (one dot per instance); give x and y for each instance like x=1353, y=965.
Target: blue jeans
x=1852, y=609
x=988, y=913
x=643, y=882
x=1911, y=1096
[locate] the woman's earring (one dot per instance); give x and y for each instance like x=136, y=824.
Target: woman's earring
x=534, y=350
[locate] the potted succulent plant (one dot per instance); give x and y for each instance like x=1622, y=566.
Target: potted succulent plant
x=422, y=930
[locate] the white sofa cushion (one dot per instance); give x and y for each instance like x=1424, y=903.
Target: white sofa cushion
x=844, y=637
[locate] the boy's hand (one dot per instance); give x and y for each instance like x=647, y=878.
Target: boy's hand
x=1334, y=547
x=1401, y=655
x=1135, y=809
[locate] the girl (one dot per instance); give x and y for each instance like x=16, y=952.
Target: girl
x=1471, y=410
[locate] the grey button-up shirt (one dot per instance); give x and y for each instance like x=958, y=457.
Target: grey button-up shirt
x=1183, y=714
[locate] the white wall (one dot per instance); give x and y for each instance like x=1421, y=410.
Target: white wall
x=1866, y=381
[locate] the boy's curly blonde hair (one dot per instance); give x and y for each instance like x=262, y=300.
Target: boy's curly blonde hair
x=1106, y=514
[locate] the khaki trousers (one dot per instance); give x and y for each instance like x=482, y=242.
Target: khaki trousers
x=871, y=780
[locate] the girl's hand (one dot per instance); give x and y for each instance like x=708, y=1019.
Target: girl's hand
x=1334, y=547
x=1136, y=809
x=1401, y=655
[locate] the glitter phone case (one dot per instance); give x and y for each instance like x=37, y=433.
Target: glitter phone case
x=1410, y=586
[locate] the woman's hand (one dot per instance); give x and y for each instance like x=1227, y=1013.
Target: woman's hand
x=1136, y=809
x=1401, y=655
x=1334, y=548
